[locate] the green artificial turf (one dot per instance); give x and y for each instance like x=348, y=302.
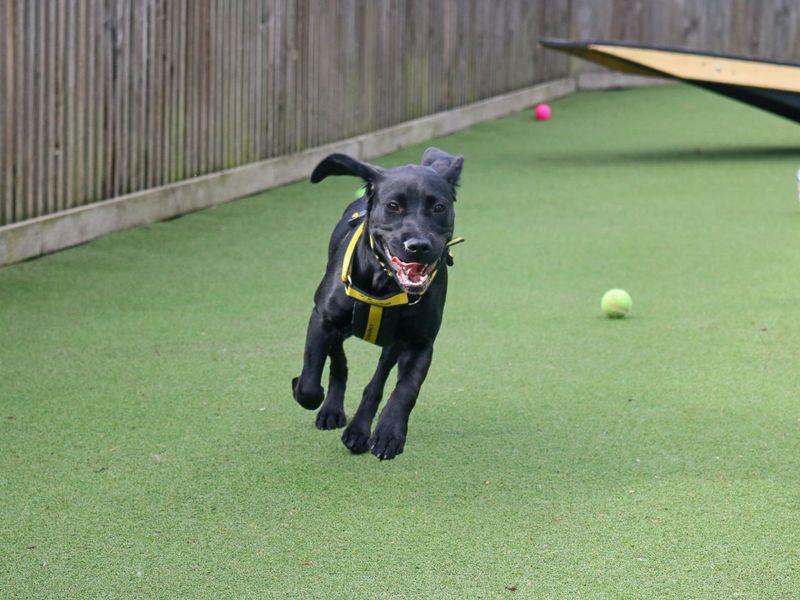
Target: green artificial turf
x=150, y=447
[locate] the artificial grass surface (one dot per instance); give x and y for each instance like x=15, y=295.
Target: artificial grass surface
x=150, y=448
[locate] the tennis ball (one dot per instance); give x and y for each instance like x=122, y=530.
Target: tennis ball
x=616, y=303
x=542, y=112
x=362, y=191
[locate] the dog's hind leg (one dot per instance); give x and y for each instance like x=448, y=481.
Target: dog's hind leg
x=307, y=389
x=356, y=436
x=331, y=415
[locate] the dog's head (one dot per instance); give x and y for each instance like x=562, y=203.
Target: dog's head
x=410, y=212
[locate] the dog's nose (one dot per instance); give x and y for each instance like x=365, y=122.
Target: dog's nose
x=418, y=246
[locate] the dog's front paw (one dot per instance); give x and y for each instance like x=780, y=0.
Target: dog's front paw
x=330, y=419
x=310, y=400
x=387, y=441
x=356, y=438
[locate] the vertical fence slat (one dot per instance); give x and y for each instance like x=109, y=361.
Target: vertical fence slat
x=161, y=52
x=97, y=89
x=87, y=90
x=190, y=141
x=22, y=109
x=82, y=138
x=224, y=62
x=250, y=24
x=5, y=111
x=68, y=155
x=216, y=112
x=231, y=87
x=60, y=113
x=171, y=119
x=110, y=68
x=186, y=140
x=260, y=91
x=8, y=149
x=272, y=97
x=119, y=93
x=243, y=25
x=135, y=134
x=148, y=141
x=211, y=109
x=29, y=90
x=156, y=52
x=180, y=101
x=35, y=172
x=287, y=62
x=205, y=131
x=50, y=148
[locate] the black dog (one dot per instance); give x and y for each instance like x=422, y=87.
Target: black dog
x=386, y=282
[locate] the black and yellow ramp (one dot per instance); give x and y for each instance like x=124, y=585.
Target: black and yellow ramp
x=771, y=85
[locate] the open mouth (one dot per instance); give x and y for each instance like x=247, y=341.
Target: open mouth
x=412, y=277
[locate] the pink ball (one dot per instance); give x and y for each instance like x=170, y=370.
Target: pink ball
x=542, y=112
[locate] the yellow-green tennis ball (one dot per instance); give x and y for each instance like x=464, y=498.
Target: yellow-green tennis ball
x=616, y=303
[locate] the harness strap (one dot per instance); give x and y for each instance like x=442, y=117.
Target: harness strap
x=352, y=291
x=373, y=324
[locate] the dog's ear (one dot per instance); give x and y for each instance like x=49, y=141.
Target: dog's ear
x=341, y=164
x=446, y=165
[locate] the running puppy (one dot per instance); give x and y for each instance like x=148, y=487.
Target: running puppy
x=386, y=282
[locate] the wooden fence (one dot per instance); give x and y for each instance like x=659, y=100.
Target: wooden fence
x=100, y=98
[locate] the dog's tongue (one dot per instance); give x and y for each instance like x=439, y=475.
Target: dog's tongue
x=414, y=271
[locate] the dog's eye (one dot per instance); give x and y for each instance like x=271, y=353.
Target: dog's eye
x=392, y=207
x=439, y=208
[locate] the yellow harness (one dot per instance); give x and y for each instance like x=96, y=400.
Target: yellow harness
x=368, y=326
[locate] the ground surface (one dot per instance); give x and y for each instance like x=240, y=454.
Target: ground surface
x=150, y=448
